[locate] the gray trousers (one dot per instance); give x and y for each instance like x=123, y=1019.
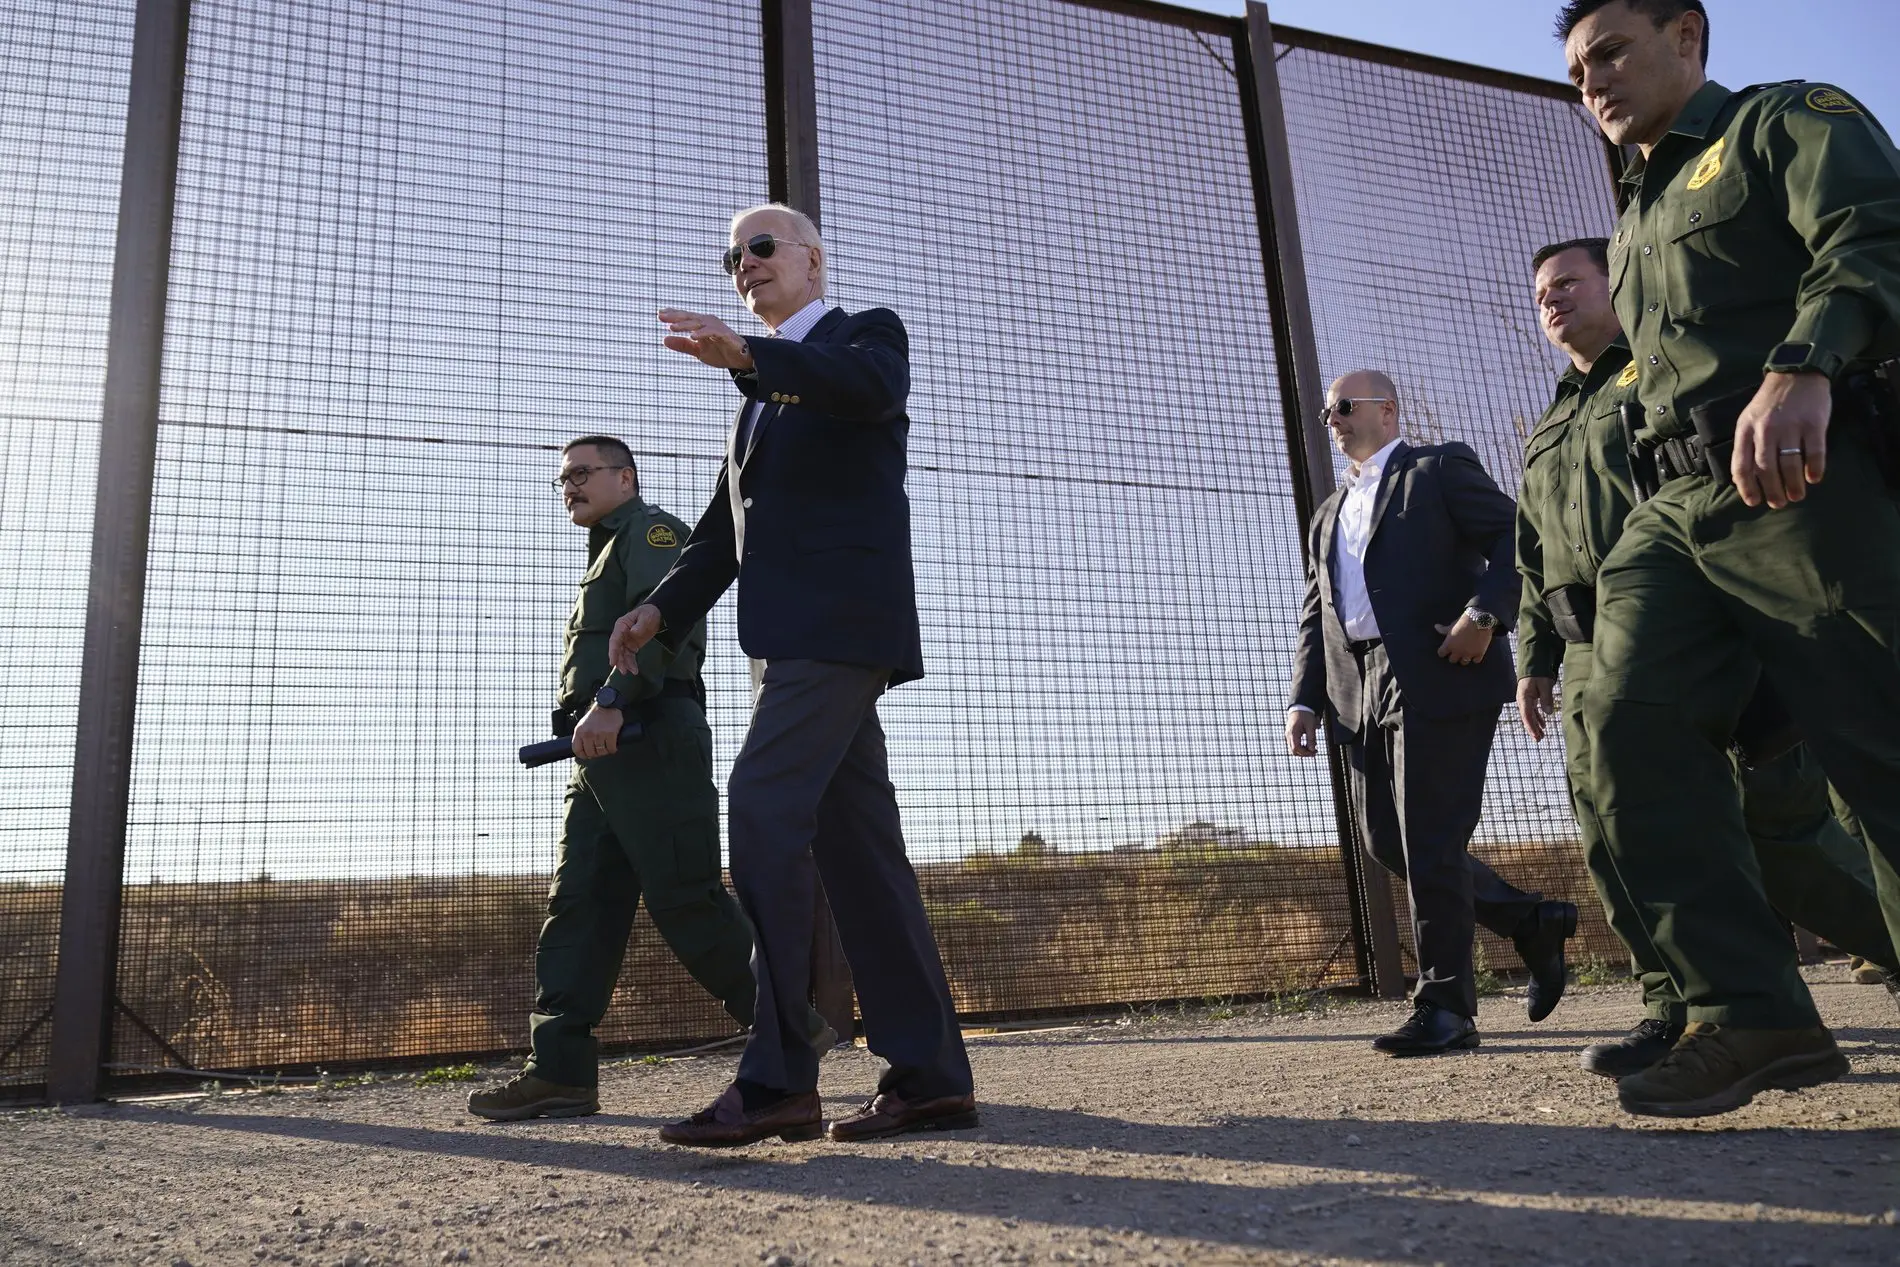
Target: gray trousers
x=1418, y=787
x=811, y=798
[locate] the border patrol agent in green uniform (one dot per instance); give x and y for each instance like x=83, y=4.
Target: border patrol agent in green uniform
x=1576, y=494
x=1756, y=270
x=641, y=820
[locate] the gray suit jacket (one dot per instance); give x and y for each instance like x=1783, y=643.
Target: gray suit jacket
x=1441, y=541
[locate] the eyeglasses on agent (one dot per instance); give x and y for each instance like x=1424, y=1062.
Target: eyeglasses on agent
x=578, y=476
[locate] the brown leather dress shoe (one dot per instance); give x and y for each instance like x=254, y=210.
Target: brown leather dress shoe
x=726, y=1124
x=890, y=1115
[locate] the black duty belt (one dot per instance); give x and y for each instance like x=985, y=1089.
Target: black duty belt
x=1685, y=455
x=1573, y=612
x=1866, y=405
x=567, y=716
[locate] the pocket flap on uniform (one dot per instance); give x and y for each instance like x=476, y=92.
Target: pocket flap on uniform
x=1543, y=440
x=1714, y=203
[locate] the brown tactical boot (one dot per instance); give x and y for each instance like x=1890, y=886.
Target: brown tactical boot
x=524, y=1096
x=1715, y=1068
x=1860, y=972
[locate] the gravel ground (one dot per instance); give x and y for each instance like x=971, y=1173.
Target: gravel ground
x=1199, y=1137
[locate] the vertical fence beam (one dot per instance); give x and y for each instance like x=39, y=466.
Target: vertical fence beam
x=791, y=114
x=1302, y=392
x=791, y=149
x=121, y=528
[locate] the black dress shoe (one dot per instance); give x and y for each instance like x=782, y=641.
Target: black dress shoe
x=1430, y=1031
x=1540, y=943
x=1636, y=1051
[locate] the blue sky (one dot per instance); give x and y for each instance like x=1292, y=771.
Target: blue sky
x=1850, y=43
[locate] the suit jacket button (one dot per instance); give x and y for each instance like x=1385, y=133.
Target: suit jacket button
x=792, y=400
x=775, y=398
x=747, y=503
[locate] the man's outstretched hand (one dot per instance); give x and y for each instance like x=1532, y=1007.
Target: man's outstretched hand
x=706, y=338
x=632, y=632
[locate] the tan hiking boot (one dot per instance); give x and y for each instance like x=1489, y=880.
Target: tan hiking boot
x=524, y=1096
x=1860, y=972
x=1715, y=1068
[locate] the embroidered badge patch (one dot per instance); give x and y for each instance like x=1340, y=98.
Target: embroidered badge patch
x=1832, y=101
x=1710, y=165
x=1628, y=375
x=662, y=535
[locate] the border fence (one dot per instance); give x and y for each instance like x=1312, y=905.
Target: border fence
x=313, y=294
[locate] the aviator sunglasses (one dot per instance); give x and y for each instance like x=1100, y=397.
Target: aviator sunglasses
x=763, y=245
x=1344, y=406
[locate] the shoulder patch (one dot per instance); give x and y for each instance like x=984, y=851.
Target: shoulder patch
x=662, y=536
x=1709, y=166
x=1628, y=376
x=1831, y=101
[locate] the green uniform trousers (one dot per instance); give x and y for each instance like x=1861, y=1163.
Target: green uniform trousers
x=1699, y=596
x=1814, y=871
x=643, y=821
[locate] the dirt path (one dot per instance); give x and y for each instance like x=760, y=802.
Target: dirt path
x=1192, y=1139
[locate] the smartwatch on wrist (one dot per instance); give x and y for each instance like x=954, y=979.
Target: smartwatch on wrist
x=1802, y=358
x=608, y=697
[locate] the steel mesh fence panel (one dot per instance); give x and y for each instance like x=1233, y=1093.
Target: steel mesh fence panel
x=418, y=247
x=62, y=127
x=1058, y=202
x=1421, y=200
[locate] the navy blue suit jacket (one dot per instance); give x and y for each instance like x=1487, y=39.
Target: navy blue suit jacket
x=812, y=521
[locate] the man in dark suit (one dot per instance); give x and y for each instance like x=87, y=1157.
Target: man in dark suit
x=811, y=520
x=1410, y=575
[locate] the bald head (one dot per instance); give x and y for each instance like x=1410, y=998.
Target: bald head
x=1362, y=408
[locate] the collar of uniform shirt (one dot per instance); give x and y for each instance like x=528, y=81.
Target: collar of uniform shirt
x=799, y=324
x=1368, y=471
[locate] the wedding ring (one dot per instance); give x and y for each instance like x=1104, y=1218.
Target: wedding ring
x=1789, y=452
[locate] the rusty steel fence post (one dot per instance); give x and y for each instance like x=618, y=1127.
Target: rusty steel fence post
x=1302, y=392
x=791, y=106
x=121, y=527
x=791, y=149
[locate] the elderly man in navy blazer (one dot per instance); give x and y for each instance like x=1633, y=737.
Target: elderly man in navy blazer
x=810, y=519
x=1411, y=574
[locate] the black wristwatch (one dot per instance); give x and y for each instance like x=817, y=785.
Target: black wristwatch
x=608, y=697
x=1802, y=358
x=1482, y=619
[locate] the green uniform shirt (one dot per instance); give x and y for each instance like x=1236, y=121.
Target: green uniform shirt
x=1577, y=491
x=628, y=552
x=1766, y=216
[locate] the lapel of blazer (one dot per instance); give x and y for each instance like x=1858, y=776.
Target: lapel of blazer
x=1325, y=532
x=1388, y=482
x=733, y=463
x=768, y=411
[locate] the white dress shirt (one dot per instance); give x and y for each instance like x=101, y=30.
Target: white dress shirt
x=1352, y=533
x=796, y=327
